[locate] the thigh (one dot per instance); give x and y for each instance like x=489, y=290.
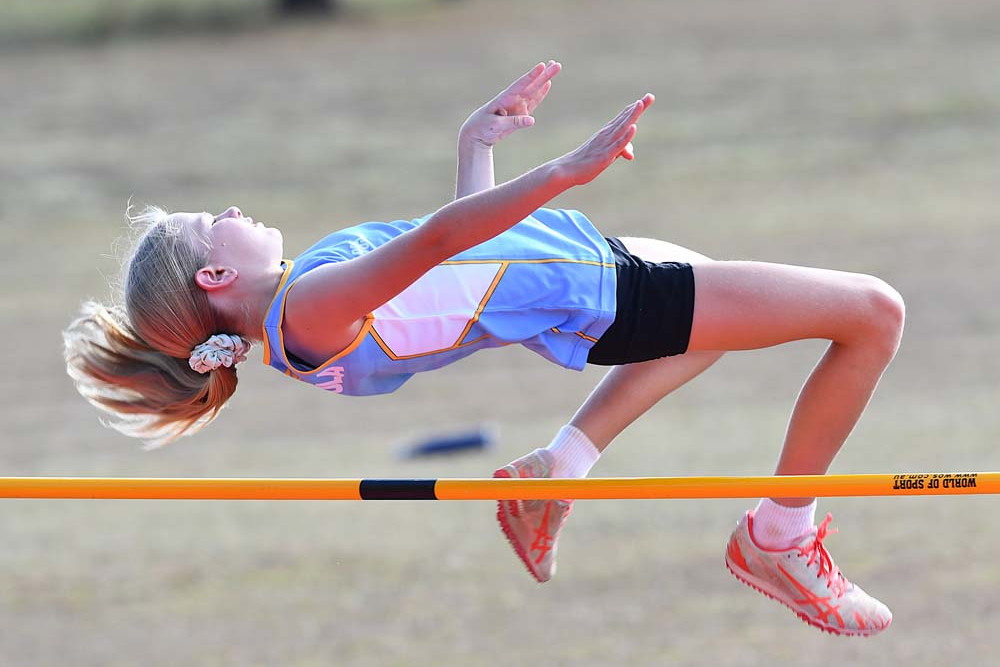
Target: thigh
x=749, y=305
x=654, y=250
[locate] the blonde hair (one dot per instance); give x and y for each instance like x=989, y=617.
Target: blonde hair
x=130, y=359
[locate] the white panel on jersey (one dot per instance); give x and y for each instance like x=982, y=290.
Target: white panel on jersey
x=430, y=315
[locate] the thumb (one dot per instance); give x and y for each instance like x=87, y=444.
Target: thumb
x=511, y=123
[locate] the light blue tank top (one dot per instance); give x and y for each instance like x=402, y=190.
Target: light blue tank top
x=547, y=283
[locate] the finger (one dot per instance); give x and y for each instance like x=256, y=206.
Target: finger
x=525, y=79
x=629, y=120
x=538, y=96
x=631, y=113
x=624, y=144
x=532, y=73
x=626, y=136
x=510, y=123
x=518, y=85
x=619, y=120
x=544, y=77
x=537, y=93
x=617, y=127
x=641, y=106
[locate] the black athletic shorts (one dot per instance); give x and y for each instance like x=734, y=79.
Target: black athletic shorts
x=654, y=313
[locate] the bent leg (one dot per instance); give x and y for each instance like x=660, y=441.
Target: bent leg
x=750, y=305
x=626, y=392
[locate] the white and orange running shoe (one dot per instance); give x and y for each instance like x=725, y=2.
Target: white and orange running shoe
x=532, y=526
x=805, y=579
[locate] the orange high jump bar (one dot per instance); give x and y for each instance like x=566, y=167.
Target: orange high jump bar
x=790, y=486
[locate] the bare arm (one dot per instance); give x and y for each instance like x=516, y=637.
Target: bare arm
x=334, y=297
x=506, y=113
x=475, y=168
x=344, y=292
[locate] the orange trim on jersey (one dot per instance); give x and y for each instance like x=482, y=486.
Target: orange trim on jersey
x=552, y=260
x=482, y=303
x=392, y=355
x=365, y=328
x=578, y=333
x=458, y=342
x=281, y=283
x=368, y=325
x=292, y=371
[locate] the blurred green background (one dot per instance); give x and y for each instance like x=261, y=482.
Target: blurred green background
x=854, y=135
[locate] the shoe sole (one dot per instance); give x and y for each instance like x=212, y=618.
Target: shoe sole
x=509, y=532
x=765, y=589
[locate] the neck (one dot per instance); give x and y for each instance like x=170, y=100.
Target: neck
x=246, y=311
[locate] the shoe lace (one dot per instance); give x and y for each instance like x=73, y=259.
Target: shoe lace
x=818, y=554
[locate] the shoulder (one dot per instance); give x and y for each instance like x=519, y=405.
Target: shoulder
x=313, y=333
x=312, y=327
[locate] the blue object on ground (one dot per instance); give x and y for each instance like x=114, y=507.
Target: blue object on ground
x=477, y=439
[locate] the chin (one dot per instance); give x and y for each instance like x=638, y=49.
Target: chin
x=279, y=241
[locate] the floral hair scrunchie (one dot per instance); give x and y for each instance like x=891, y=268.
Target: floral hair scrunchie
x=219, y=350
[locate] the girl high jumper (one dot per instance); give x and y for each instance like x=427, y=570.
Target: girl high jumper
x=365, y=308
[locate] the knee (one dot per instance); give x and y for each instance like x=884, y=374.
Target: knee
x=885, y=314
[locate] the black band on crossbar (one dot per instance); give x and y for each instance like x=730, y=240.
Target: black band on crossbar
x=397, y=489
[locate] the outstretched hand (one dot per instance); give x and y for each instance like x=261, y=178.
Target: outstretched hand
x=612, y=141
x=511, y=109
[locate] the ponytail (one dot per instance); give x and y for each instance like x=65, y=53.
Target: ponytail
x=145, y=393
x=132, y=360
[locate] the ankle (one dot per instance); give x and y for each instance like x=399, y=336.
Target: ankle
x=573, y=452
x=778, y=527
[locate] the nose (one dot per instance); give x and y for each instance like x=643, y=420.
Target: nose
x=231, y=212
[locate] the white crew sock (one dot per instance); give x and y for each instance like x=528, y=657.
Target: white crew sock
x=574, y=453
x=778, y=527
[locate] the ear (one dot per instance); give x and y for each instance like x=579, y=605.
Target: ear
x=212, y=278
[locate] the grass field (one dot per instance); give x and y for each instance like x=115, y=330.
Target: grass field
x=853, y=135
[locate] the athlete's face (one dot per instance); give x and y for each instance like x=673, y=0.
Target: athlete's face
x=235, y=240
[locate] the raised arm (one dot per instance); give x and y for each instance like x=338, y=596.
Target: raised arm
x=510, y=110
x=334, y=297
